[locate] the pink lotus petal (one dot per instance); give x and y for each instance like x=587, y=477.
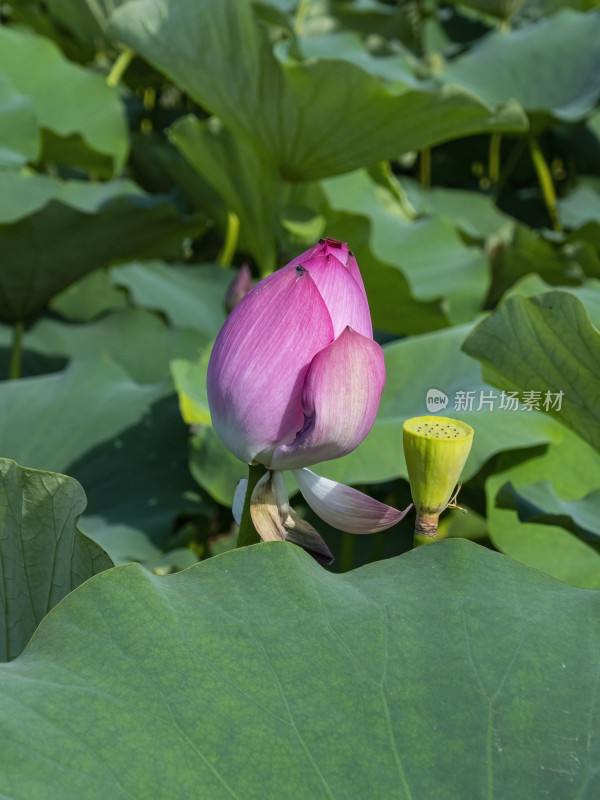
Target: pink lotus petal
x=355, y=272
x=334, y=269
x=340, y=400
x=260, y=360
x=324, y=247
x=275, y=521
x=239, y=287
x=345, y=508
x=346, y=302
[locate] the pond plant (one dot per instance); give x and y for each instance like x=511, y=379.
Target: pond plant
x=272, y=525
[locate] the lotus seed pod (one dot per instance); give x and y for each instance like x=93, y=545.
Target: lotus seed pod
x=436, y=449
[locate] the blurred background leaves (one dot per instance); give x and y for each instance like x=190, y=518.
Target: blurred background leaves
x=455, y=146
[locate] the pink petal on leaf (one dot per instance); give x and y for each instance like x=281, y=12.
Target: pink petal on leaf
x=260, y=360
x=340, y=401
x=345, y=508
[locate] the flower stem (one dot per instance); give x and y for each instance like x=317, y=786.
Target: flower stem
x=348, y=549
x=15, y=353
x=494, y=158
x=425, y=168
x=301, y=14
x=231, y=238
x=248, y=533
x=546, y=183
x=120, y=66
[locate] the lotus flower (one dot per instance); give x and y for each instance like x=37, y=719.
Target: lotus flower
x=295, y=378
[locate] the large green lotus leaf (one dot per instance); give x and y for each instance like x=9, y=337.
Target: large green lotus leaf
x=545, y=344
x=549, y=67
x=580, y=211
x=349, y=46
x=519, y=251
x=473, y=213
x=189, y=296
x=86, y=19
x=69, y=100
x=429, y=251
x=89, y=297
x=51, y=421
x=124, y=442
x=248, y=183
x=443, y=673
x=588, y=292
x=572, y=467
x=393, y=305
x=312, y=119
x=19, y=132
x=43, y=556
x=435, y=361
x=52, y=233
x=138, y=340
x=140, y=482
x=499, y=8
x=373, y=16
x=214, y=467
x=189, y=378
x=538, y=502
x=580, y=206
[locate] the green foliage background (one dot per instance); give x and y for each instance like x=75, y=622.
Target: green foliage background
x=149, y=149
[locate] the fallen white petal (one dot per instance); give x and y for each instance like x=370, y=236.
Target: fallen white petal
x=345, y=508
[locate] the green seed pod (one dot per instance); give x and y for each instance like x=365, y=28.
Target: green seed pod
x=435, y=449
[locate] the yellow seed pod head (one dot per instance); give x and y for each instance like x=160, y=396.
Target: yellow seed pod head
x=435, y=449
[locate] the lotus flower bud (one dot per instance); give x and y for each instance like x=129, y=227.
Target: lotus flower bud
x=239, y=287
x=295, y=376
x=435, y=449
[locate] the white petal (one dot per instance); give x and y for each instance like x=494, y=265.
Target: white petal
x=238, y=499
x=278, y=522
x=265, y=511
x=345, y=508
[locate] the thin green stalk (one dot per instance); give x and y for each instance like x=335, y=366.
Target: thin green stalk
x=510, y=163
x=248, y=533
x=494, y=158
x=546, y=182
x=14, y=370
x=301, y=14
x=425, y=168
x=348, y=551
x=231, y=239
x=120, y=66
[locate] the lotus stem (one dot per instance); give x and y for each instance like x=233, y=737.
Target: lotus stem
x=14, y=371
x=348, y=549
x=120, y=66
x=301, y=14
x=248, y=533
x=494, y=158
x=425, y=168
x=231, y=239
x=546, y=183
